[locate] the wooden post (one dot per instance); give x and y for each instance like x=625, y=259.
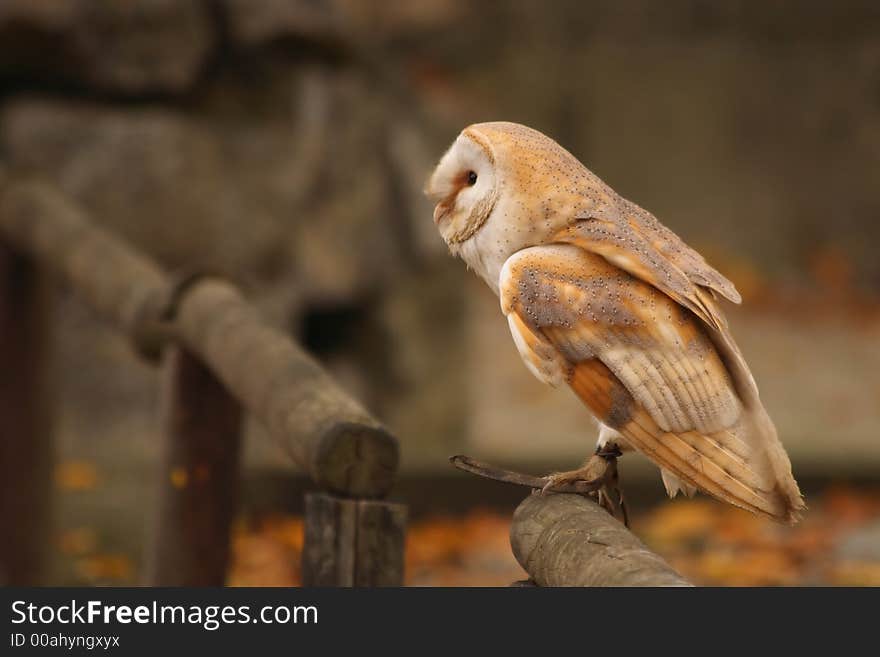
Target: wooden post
x=569, y=540
x=353, y=542
x=25, y=436
x=198, y=478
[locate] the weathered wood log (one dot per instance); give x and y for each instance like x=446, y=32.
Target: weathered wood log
x=25, y=419
x=568, y=540
x=198, y=480
x=326, y=432
x=342, y=447
x=113, y=279
x=353, y=542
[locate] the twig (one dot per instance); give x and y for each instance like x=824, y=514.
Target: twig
x=519, y=479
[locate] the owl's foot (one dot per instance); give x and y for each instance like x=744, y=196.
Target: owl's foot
x=600, y=471
x=597, y=478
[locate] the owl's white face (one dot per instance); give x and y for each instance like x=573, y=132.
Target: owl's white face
x=464, y=187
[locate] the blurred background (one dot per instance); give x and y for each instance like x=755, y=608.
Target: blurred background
x=286, y=143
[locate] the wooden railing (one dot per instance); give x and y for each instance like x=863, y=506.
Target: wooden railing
x=218, y=358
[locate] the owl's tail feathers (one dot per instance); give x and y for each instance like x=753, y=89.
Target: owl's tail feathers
x=778, y=465
x=745, y=466
x=711, y=464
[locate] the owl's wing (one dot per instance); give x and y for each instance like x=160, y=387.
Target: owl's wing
x=635, y=241
x=648, y=368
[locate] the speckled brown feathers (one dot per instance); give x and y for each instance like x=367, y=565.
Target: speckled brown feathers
x=601, y=296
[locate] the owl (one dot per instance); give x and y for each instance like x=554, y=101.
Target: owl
x=601, y=297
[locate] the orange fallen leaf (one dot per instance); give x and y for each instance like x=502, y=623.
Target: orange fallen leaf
x=259, y=560
x=832, y=269
x=850, y=507
x=287, y=530
x=679, y=521
x=746, y=568
x=76, y=476
x=738, y=527
x=855, y=573
x=179, y=478
x=78, y=541
x=105, y=567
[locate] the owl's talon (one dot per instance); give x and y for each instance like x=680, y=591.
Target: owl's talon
x=595, y=472
x=601, y=471
x=559, y=479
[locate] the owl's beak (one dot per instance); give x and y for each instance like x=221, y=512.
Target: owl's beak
x=440, y=211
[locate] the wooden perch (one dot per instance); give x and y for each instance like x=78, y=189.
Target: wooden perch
x=568, y=540
x=563, y=538
x=327, y=433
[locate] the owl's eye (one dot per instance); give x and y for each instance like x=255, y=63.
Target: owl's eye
x=472, y=178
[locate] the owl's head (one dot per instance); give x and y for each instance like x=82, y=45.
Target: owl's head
x=464, y=186
x=505, y=168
